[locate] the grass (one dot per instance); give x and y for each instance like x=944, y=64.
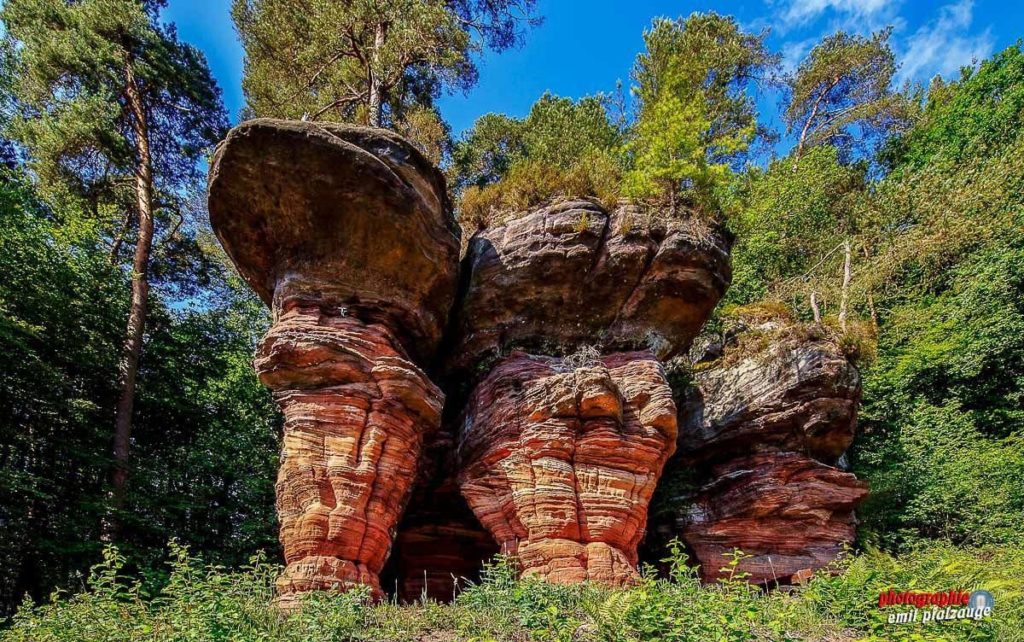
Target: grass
x=206, y=603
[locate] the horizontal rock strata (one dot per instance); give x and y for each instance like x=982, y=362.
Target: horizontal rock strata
x=574, y=274
x=356, y=412
x=560, y=417
x=799, y=396
x=785, y=511
x=347, y=233
x=560, y=458
x=760, y=435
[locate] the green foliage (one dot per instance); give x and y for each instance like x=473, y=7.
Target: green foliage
x=201, y=602
x=791, y=218
x=486, y=152
x=206, y=430
x=943, y=445
x=845, y=83
x=695, y=115
x=61, y=311
x=366, y=61
x=974, y=117
x=561, y=132
x=695, y=119
x=71, y=70
x=562, y=149
x=942, y=414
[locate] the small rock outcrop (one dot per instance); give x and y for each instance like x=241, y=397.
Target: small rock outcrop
x=346, y=232
x=794, y=394
x=787, y=512
x=760, y=434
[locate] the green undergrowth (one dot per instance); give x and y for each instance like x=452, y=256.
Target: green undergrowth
x=201, y=602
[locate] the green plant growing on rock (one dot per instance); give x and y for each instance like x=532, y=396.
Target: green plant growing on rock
x=694, y=115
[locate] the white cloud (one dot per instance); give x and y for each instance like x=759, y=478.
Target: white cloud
x=943, y=46
x=794, y=51
x=800, y=12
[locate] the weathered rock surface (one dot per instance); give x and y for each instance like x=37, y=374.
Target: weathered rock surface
x=565, y=416
x=785, y=510
x=347, y=233
x=759, y=434
x=560, y=459
x=574, y=274
x=800, y=396
x=440, y=546
x=349, y=217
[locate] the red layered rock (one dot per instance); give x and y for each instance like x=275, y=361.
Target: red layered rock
x=759, y=433
x=560, y=458
x=347, y=233
x=785, y=511
x=574, y=274
x=440, y=547
x=356, y=411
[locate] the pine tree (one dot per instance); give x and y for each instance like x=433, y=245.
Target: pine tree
x=115, y=112
x=845, y=82
x=695, y=115
x=366, y=61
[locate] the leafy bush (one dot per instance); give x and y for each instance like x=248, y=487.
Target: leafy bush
x=208, y=603
x=530, y=183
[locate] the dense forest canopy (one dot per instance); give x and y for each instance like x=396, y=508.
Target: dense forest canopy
x=894, y=219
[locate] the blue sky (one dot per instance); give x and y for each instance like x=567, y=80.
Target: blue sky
x=584, y=47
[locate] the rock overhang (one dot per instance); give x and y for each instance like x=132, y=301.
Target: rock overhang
x=350, y=216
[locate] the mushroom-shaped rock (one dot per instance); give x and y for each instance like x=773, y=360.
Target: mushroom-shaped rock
x=560, y=457
x=574, y=274
x=347, y=233
x=347, y=217
x=760, y=430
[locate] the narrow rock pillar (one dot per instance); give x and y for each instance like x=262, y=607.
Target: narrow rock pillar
x=347, y=234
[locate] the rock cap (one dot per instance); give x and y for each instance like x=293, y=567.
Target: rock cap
x=348, y=216
x=574, y=274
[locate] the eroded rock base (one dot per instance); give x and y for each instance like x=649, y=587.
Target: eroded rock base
x=356, y=412
x=789, y=514
x=560, y=457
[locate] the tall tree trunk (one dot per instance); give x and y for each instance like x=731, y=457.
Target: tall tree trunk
x=129, y=365
x=375, y=101
x=810, y=118
x=844, y=299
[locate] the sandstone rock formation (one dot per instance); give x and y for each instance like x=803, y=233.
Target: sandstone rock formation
x=554, y=418
x=347, y=233
x=563, y=440
x=560, y=460
x=574, y=274
x=796, y=394
x=787, y=512
x=440, y=546
x=759, y=436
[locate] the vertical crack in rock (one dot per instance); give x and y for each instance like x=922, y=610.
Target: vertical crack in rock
x=347, y=233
